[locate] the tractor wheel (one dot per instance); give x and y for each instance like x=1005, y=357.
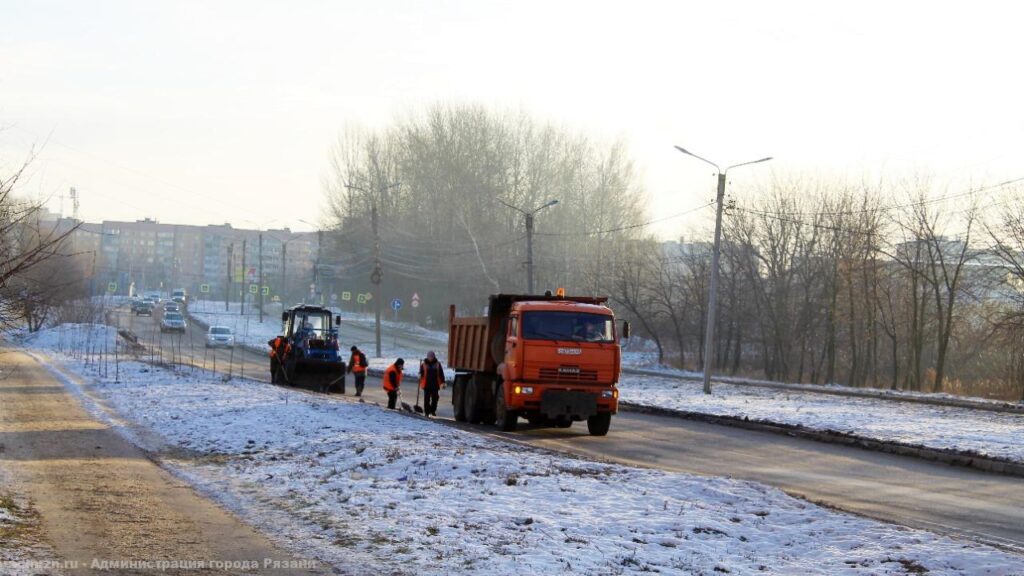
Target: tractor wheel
x=506, y=419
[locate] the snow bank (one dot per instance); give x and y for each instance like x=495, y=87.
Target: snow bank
x=992, y=434
x=93, y=338
x=373, y=491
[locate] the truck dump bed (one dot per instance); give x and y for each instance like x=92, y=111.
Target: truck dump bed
x=475, y=343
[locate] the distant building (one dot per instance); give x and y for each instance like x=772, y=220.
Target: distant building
x=207, y=261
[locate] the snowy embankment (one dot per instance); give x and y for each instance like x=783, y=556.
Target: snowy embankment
x=373, y=491
x=992, y=434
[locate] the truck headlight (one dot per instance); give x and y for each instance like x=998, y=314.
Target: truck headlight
x=609, y=393
x=524, y=389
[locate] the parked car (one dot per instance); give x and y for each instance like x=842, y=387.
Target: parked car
x=220, y=336
x=143, y=308
x=172, y=322
x=171, y=307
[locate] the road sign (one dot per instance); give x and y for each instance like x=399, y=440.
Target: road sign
x=396, y=304
x=346, y=296
x=334, y=297
x=112, y=287
x=253, y=288
x=369, y=296
x=415, y=300
x=361, y=298
x=204, y=288
x=266, y=290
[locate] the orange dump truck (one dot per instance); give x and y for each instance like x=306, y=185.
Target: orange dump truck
x=549, y=359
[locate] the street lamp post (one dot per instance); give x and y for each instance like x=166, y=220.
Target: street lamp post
x=709, y=332
x=529, y=237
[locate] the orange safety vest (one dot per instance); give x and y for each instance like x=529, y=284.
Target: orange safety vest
x=387, y=378
x=354, y=363
x=275, y=346
x=423, y=375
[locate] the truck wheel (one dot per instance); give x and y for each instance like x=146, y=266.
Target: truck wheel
x=472, y=403
x=459, y=398
x=506, y=419
x=598, y=424
x=563, y=422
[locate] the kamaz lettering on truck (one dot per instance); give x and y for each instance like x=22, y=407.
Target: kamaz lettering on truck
x=552, y=360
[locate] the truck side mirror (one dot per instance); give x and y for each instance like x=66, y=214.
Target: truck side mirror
x=625, y=329
x=284, y=316
x=337, y=320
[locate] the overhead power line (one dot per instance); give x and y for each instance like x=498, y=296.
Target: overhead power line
x=630, y=226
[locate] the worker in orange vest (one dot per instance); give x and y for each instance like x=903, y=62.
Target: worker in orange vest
x=431, y=382
x=278, y=348
x=393, y=381
x=357, y=365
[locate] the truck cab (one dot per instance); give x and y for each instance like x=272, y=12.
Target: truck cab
x=549, y=359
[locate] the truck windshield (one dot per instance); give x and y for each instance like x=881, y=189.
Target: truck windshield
x=575, y=326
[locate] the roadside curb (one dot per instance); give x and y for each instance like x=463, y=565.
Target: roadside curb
x=876, y=394
x=946, y=456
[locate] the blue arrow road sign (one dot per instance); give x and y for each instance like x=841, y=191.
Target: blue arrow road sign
x=396, y=304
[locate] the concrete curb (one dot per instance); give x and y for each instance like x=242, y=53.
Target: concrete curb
x=1007, y=407
x=946, y=456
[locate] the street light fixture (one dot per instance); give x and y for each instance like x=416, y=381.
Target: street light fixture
x=709, y=332
x=529, y=237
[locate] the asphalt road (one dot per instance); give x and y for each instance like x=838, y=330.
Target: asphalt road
x=941, y=498
x=101, y=498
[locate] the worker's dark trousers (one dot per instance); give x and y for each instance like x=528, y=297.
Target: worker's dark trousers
x=430, y=397
x=360, y=381
x=273, y=369
x=392, y=399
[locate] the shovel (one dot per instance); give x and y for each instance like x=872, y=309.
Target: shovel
x=417, y=407
x=405, y=405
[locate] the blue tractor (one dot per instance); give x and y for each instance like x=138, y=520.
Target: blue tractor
x=310, y=355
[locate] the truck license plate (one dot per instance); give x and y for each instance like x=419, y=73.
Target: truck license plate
x=570, y=351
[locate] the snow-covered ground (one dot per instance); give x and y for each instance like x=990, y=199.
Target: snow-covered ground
x=983, y=432
x=375, y=492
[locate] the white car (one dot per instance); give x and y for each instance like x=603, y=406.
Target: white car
x=172, y=322
x=220, y=336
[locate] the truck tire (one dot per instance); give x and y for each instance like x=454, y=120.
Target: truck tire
x=598, y=424
x=506, y=419
x=459, y=398
x=471, y=399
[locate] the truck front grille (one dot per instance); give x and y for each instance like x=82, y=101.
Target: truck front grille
x=568, y=374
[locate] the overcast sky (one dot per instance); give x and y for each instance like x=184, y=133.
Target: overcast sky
x=206, y=112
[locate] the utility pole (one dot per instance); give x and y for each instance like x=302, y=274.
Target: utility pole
x=260, y=283
x=376, y=277
x=709, y=331
x=378, y=270
x=284, y=273
x=227, y=283
x=318, y=289
x=529, y=253
x=245, y=274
